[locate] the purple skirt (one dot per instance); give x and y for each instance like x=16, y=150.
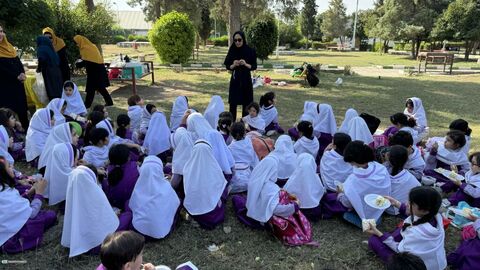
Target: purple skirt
x=459, y=196
x=239, y=205
x=331, y=207
x=313, y=214
x=213, y=218
x=466, y=256
x=376, y=244
x=274, y=126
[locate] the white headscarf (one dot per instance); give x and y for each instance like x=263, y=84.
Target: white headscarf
x=198, y=125
x=178, y=110
x=333, y=168
x=452, y=157
x=89, y=218
x=105, y=124
x=59, y=166
x=358, y=130
x=263, y=194
x=268, y=114
x=418, y=112
x=220, y=151
x=56, y=105
x=349, y=115
x=145, y=120
x=14, y=213
x=374, y=179
x=74, y=102
x=305, y=183
x=243, y=152
x=326, y=120
x=402, y=183
x=183, y=145
x=37, y=133
x=203, y=180
x=415, y=136
x=157, y=139
x=135, y=113
x=59, y=134
x=309, y=112
x=214, y=109
x=4, y=143
x=154, y=203
x=97, y=156
x=305, y=145
x=255, y=122
x=285, y=155
x=471, y=178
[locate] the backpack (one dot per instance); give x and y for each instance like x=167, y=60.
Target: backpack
x=262, y=145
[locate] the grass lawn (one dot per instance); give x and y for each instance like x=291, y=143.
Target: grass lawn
x=217, y=56
x=341, y=245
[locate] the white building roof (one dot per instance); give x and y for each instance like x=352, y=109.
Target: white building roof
x=132, y=20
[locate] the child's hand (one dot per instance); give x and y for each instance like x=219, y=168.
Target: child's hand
x=185, y=116
x=454, y=168
x=435, y=147
x=40, y=186
x=329, y=147
x=393, y=201
x=18, y=126
x=373, y=230
x=148, y=266
x=472, y=217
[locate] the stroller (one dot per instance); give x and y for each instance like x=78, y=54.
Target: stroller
x=308, y=72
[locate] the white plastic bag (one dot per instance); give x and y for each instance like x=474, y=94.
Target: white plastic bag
x=39, y=88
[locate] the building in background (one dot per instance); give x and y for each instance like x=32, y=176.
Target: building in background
x=133, y=22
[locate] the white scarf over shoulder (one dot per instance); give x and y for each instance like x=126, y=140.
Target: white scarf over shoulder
x=74, y=102
x=59, y=166
x=255, y=122
x=263, y=194
x=145, y=120
x=374, y=179
x=305, y=145
x=37, y=133
x=59, y=134
x=452, y=157
x=309, y=112
x=89, y=218
x=349, y=115
x=198, y=125
x=268, y=114
x=418, y=112
x=56, y=105
x=243, y=152
x=203, y=180
x=221, y=152
x=154, y=203
x=326, y=120
x=157, y=139
x=334, y=169
x=4, y=143
x=214, y=109
x=305, y=183
x=183, y=145
x=402, y=183
x=358, y=130
x=14, y=213
x=178, y=110
x=135, y=113
x=285, y=155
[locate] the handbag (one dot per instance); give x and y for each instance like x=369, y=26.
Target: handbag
x=39, y=88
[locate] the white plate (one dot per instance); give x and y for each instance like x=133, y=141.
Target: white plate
x=446, y=173
x=370, y=200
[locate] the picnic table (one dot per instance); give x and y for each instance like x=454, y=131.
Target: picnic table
x=435, y=58
x=132, y=74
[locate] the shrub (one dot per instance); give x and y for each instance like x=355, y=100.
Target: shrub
x=118, y=38
x=262, y=35
x=219, y=41
x=137, y=38
x=173, y=37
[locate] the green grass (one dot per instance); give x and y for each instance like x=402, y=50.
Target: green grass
x=445, y=98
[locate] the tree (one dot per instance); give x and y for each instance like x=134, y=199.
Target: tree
x=335, y=21
x=262, y=35
x=307, y=21
x=460, y=21
x=289, y=34
x=206, y=23
x=317, y=32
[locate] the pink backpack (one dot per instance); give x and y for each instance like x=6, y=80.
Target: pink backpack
x=294, y=230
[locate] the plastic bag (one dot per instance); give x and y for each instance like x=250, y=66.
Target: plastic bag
x=39, y=88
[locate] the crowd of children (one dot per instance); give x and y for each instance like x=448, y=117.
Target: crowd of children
x=139, y=176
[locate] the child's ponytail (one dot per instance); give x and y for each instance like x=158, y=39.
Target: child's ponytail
x=265, y=99
x=118, y=156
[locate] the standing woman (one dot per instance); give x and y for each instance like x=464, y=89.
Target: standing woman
x=240, y=60
x=12, y=76
x=49, y=65
x=61, y=50
x=97, y=78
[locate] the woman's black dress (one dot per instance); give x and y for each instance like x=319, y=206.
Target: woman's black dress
x=12, y=90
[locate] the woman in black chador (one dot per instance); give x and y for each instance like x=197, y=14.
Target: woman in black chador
x=49, y=65
x=240, y=60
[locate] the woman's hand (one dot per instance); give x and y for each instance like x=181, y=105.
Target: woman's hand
x=393, y=201
x=372, y=229
x=21, y=77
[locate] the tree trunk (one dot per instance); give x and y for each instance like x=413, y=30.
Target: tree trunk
x=475, y=47
x=373, y=44
x=412, y=50
x=417, y=48
x=157, y=9
x=90, y=5
x=233, y=19
x=385, y=46
x=468, y=48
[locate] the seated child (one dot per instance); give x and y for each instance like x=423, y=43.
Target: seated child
x=333, y=169
x=325, y=127
x=349, y=115
x=244, y=156
x=269, y=113
x=415, y=163
x=307, y=142
x=96, y=153
x=135, y=111
x=414, y=109
x=462, y=125
x=123, y=251
x=225, y=122
x=422, y=233
x=157, y=139
x=214, y=108
x=61, y=163
x=470, y=190
x=253, y=121
x=75, y=106
x=402, y=123
x=58, y=106
x=40, y=126
x=147, y=113
x=359, y=131
x=123, y=127
x=15, y=131
x=179, y=107
x=309, y=114
x=466, y=255
x=402, y=180
x=286, y=158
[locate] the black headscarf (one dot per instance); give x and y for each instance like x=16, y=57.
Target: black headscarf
x=235, y=53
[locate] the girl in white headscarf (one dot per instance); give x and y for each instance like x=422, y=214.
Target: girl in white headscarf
x=74, y=100
x=349, y=115
x=180, y=106
x=253, y=121
x=135, y=111
x=305, y=184
x=309, y=114
x=59, y=166
x=154, y=203
x=63, y=133
x=204, y=186
x=148, y=110
x=215, y=107
x=286, y=158
x=307, y=142
x=333, y=169
x=324, y=128
x=414, y=108
x=182, y=144
x=358, y=131
x=58, y=106
x=40, y=125
x=4, y=144
x=157, y=140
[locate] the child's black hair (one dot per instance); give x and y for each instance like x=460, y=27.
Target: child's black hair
x=403, y=138
x=150, y=107
x=6, y=180
x=458, y=137
x=68, y=84
x=341, y=140
x=75, y=152
x=427, y=199
x=358, y=152
x=122, y=122
x=475, y=156
x=461, y=125
x=93, y=118
x=133, y=100
x=238, y=131
x=52, y=114
x=119, y=248
x=118, y=155
x=99, y=108
x=409, y=102
x=224, y=124
x=405, y=261
x=398, y=157
x=226, y=114
x=306, y=128
x=402, y=119
x=5, y=114
x=98, y=134
x=266, y=98
x=253, y=105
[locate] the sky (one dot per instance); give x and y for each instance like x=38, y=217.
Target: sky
x=322, y=5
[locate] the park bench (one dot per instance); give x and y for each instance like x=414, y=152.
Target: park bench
x=435, y=58
x=133, y=77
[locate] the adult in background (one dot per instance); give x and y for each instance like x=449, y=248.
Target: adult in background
x=61, y=49
x=12, y=76
x=49, y=66
x=97, y=77
x=240, y=60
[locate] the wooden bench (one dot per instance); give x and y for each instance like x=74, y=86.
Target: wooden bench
x=435, y=58
x=133, y=79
